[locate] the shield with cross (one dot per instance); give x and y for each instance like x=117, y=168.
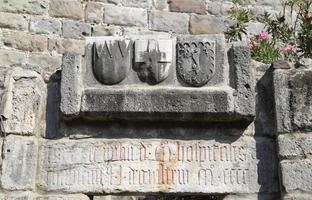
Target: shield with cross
x=153, y=59
x=111, y=60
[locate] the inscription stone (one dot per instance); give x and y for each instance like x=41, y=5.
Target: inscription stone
x=171, y=166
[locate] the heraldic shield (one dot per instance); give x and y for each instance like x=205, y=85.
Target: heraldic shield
x=196, y=62
x=111, y=60
x=153, y=59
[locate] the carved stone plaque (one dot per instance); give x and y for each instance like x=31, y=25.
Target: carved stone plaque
x=169, y=166
x=196, y=61
x=153, y=59
x=111, y=60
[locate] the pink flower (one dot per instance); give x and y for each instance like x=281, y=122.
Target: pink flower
x=288, y=48
x=263, y=36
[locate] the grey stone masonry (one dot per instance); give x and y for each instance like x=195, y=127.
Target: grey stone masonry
x=71, y=86
x=168, y=87
x=295, y=145
x=125, y=16
x=13, y=21
x=34, y=7
x=297, y=175
x=293, y=100
x=23, y=101
x=72, y=9
x=19, y=163
x=293, y=110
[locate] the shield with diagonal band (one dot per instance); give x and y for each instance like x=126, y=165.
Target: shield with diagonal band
x=196, y=61
x=111, y=60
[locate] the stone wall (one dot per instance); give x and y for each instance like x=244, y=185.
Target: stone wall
x=53, y=27
x=48, y=152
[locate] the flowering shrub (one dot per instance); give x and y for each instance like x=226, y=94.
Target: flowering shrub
x=281, y=39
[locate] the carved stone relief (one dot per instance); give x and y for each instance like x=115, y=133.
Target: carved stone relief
x=111, y=60
x=196, y=61
x=153, y=60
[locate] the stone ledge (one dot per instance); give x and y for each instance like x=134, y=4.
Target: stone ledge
x=162, y=102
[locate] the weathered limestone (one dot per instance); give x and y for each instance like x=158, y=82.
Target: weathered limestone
x=71, y=86
x=295, y=145
x=169, y=22
x=205, y=24
x=10, y=58
x=170, y=166
x=32, y=43
x=293, y=107
x=94, y=12
x=125, y=16
x=13, y=21
x=294, y=123
x=66, y=8
x=33, y=196
x=243, y=79
x=76, y=30
x=19, y=163
x=297, y=175
x=35, y=7
x=23, y=100
x=45, y=25
x=188, y=6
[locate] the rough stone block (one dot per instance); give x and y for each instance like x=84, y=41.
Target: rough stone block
x=43, y=25
x=19, y=163
x=203, y=24
x=35, y=7
x=169, y=166
x=94, y=12
x=48, y=64
x=125, y=16
x=23, y=102
x=62, y=46
x=18, y=40
x=66, y=8
x=259, y=196
x=188, y=6
x=160, y=5
x=300, y=100
x=169, y=22
x=298, y=195
x=242, y=76
x=13, y=21
x=282, y=98
x=10, y=58
x=293, y=100
x=297, y=175
x=71, y=86
x=16, y=196
x=295, y=145
x=135, y=3
x=62, y=197
x=76, y=30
